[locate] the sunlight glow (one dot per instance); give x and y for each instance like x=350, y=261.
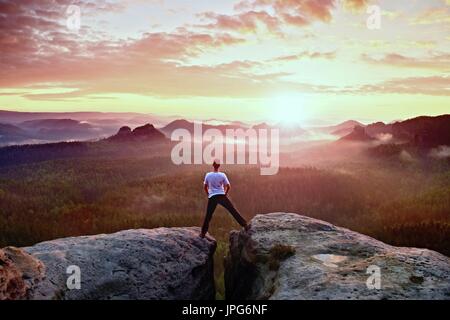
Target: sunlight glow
x=288, y=109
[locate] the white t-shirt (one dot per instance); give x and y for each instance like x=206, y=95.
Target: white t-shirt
x=216, y=182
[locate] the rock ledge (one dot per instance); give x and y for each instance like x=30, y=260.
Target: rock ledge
x=289, y=256
x=160, y=264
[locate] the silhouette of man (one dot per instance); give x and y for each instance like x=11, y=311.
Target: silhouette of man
x=217, y=186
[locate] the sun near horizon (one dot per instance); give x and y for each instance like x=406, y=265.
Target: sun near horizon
x=292, y=62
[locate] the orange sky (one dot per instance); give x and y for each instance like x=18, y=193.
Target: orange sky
x=299, y=61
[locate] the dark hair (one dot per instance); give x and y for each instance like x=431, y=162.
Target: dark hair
x=216, y=165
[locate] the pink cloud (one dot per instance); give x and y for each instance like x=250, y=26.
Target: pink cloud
x=434, y=85
x=308, y=54
x=300, y=12
x=36, y=47
x=437, y=61
x=244, y=22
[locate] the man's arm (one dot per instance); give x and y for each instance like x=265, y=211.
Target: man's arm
x=226, y=184
x=205, y=187
x=227, y=188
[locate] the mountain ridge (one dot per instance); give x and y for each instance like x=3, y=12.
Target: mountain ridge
x=146, y=132
x=424, y=131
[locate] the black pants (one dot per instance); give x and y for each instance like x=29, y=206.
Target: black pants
x=224, y=202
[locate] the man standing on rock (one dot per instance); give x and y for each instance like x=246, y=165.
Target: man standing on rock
x=217, y=186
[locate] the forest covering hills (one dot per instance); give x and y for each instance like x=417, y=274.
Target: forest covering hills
x=128, y=181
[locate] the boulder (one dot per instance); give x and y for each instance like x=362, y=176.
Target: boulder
x=289, y=256
x=159, y=264
x=19, y=273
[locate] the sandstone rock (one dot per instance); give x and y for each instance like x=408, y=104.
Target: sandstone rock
x=289, y=256
x=19, y=273
x=164, y=263
x=144, y=133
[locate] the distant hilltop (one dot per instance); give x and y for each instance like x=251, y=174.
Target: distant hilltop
x=125, y=142
x=423, y=132
x=46, y=127
x=19, y=128
x=143, y=133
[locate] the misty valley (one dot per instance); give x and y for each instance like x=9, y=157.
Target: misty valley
x=397, y=191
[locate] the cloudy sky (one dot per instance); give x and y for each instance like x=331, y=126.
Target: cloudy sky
x=307, y=61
